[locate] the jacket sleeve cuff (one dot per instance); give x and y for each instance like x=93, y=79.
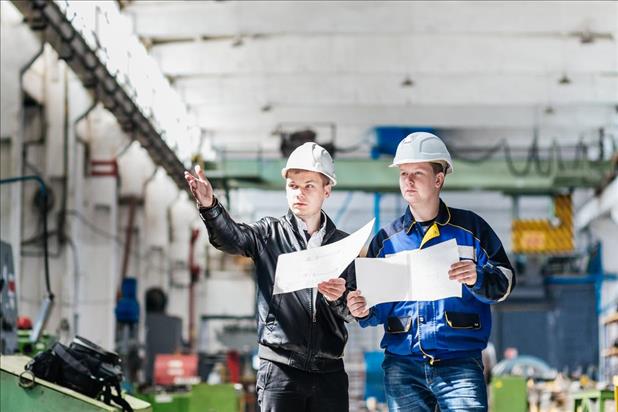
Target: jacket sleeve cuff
x=364, y=322
x=336, y=302
x=211, y=212
x=480, y=277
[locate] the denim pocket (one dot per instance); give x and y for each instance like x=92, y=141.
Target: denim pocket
x=479, y=363
x=263, y=374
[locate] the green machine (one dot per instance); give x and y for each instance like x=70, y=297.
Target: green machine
x=201, y=398
x=214, y=398
x=508, y=394
x=167, y=401
x=26, y=347
x=19, y=395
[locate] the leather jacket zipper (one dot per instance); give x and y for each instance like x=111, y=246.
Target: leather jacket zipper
x=314, y=307
x=310, y=354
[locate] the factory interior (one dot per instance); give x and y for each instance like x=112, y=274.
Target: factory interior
x=115, y=297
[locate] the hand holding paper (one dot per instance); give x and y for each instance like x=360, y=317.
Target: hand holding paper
x=307, y=268
x=332, y=289
x=421, y=275
x=357, y=304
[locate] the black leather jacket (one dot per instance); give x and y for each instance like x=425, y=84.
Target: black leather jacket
x=288, y=332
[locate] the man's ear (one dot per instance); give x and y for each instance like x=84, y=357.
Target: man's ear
x=328, y=189
x=439, y=180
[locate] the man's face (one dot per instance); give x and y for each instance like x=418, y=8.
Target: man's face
x=418, y=183
x=306, y=191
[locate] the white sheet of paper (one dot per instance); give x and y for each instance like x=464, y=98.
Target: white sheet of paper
x=307, y=268
x=383, y=280
x=429, y=269
x=426, y=270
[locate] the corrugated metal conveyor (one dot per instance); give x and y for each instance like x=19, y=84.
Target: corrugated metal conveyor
x=54, y=26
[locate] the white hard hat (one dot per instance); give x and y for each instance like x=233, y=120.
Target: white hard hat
x=423, y=147
x=312, y=157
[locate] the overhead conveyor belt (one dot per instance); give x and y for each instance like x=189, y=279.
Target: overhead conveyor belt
x=55, y=28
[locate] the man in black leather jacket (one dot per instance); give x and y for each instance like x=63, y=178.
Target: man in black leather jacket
x=301, y=334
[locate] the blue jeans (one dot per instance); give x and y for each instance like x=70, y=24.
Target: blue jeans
x=415, y=385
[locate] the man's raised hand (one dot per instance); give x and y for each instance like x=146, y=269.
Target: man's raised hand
x=200, y=187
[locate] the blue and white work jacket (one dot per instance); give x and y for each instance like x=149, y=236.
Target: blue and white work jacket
x=452, y=327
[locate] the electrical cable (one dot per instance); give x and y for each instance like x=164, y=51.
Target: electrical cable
x=511, y=164
x=486, y=155
x=537, y=158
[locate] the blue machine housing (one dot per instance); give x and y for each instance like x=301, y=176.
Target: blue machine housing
x=127, y=307
x=388, y=138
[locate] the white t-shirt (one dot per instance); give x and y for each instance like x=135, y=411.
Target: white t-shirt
x=314, y=241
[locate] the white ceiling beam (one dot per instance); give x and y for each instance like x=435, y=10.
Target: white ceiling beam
x=161, y=19
x=249, y=117
x=386, y=89
x=427, y=53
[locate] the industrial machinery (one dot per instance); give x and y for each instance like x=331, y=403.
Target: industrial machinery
x=127, y=318
x=21, y=392
x=8, y=301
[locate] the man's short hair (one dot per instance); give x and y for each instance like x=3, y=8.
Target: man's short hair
x=437, y=168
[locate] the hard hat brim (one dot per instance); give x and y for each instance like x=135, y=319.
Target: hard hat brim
x=332, y=180
x=449, y=169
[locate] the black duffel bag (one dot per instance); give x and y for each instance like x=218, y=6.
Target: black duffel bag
x=84, y=367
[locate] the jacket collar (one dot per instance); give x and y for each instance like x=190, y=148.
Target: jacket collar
x=329, y=226
x=444, y=216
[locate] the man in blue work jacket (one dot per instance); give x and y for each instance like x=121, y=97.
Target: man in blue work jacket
x=433, y=348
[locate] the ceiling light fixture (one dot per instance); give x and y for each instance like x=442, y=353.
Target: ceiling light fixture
x=238, y=41
x=407, y=82
x=564, y=80
x=586, y=37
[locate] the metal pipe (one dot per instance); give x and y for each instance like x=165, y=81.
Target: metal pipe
x=377, y=197
x=43, y=189
x=76, y=276
x=65, y=159
x=344, y=208
x=129, y=239
x=22, y=72
x=194, y=272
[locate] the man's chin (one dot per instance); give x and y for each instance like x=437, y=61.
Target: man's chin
x=298, y=211
x=301, y=212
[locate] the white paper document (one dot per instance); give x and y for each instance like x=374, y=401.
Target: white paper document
x=307, y=268
x=419, y=275
x=383, y=280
